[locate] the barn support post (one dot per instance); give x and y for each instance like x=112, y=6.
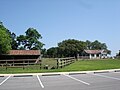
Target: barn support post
x=23, y=64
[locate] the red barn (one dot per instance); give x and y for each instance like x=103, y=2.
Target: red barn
x=15, y=57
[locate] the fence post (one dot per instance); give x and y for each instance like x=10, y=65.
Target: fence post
x=13, y=63
x=6, y=65
x=61, y=63
x=64, y=63
x=57, y=63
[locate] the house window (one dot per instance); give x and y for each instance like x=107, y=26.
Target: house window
x=92, y=55
x=97, y=55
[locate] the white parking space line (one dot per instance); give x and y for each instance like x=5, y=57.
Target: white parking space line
x=106, y=76
x=5, y=80
x=77, y=79
x=40, y=82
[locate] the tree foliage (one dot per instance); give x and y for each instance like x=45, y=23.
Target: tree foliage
x=95, y=45
x=52, y=52
x=44, y=52
x=72, y=47
x=9, y=40
x=5, y=40
x=14, y=44
x=30, y=41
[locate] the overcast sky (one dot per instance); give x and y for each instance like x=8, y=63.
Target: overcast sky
x=58, y=20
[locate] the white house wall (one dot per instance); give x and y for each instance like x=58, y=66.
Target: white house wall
x=95, y=56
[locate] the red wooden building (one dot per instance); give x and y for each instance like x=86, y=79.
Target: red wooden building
x=20, y=57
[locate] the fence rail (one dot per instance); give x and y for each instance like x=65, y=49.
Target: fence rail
x=62, y=62
x=21, y=63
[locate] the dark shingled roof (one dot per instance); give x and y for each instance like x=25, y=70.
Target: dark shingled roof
x=24, y=52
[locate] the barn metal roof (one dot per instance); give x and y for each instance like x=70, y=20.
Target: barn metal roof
x=24, y=52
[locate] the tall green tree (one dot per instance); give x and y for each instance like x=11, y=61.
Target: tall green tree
x=11, y=35
x=5, y=40
x=44, y=52
x=52, y=52
x=88, y=44
x=14, y=44
x=71, y=47
x=98, y=45
x=21, y=41
x=30, y=40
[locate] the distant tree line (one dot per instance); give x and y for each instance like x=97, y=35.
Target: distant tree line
x=9, y=40
x=5, y=39
x=72, y=47
x=30, y=41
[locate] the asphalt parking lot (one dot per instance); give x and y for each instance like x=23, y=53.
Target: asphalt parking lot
x=91, y=81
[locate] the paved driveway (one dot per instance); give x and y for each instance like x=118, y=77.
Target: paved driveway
x=91, y=81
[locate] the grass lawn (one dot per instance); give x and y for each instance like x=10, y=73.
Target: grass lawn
x=81, y=65
x=86, y=65
x=51, y=62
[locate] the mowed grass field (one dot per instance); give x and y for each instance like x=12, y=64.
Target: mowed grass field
x=86, y=65
x=80, y=65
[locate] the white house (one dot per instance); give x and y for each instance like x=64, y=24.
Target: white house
x=95, y=54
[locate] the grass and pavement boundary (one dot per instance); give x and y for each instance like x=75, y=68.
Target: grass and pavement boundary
x=60, y=73
x=80, y=65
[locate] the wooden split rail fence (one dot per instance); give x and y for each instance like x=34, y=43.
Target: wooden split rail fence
x=62, y=62
x=20, y=63
x=23, y=63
